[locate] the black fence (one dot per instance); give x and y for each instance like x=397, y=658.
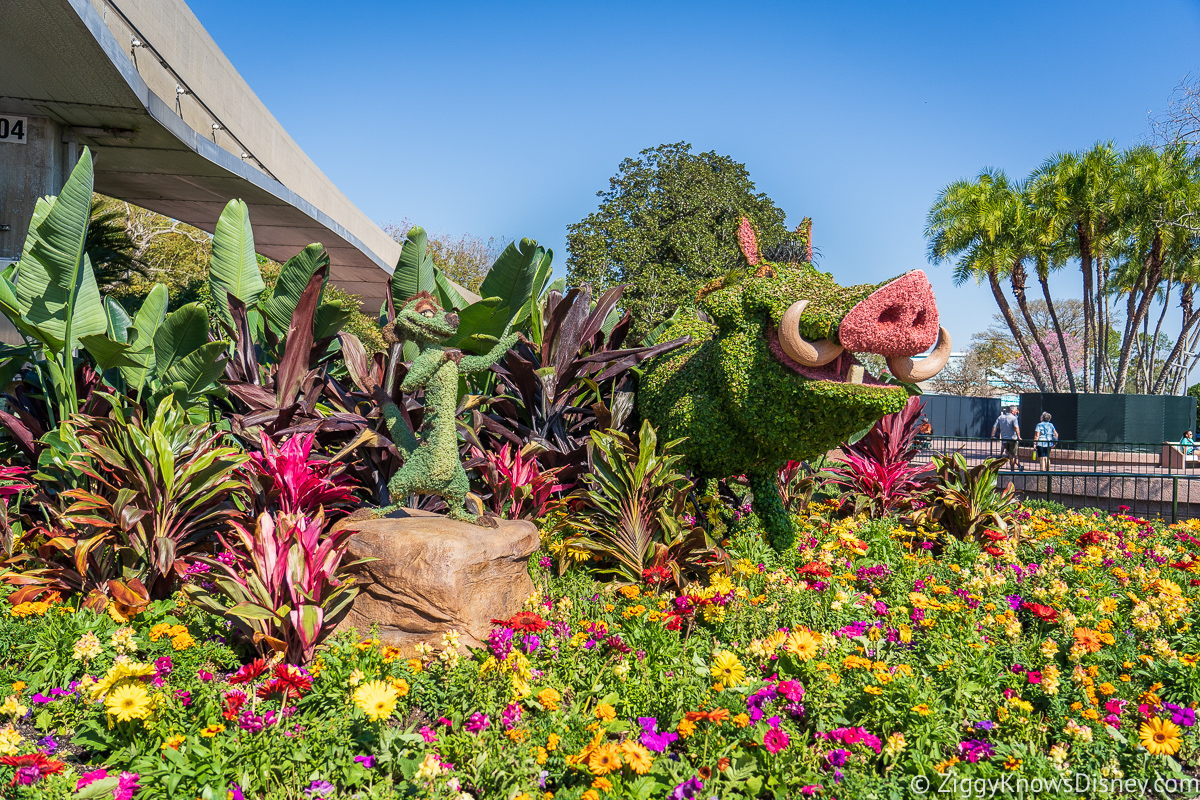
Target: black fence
x=1171, y=498
x=966, y=417
x=1141, y=458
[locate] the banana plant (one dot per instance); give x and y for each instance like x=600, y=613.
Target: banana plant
x=51, y=297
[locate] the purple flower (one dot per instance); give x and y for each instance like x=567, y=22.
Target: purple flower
x=530, y=643
x=184, y=697
x=1181, y=715
x=837, y=758
x=27, y=776
x=972, y=750
x=510, y=716
x=653, y=740
x=1014, y=601
x=41, y=698
x=500, y=642
x=48, y=744
x=545, y=562
x=478, y=722
x=319, y=789
x=687, y=789
x=368, y=762
x=227, y=558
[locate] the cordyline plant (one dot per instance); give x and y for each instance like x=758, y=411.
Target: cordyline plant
x=573, y=379
x=629, y=509
x=968, y=501
x=520, y=488
x=286, y=581
x=157, y=488
x=877, y=474
x=288, y=479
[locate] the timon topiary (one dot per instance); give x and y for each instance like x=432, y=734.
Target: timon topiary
x=431, y=462
x=771, y=377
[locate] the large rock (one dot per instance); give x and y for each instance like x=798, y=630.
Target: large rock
x=435, y=574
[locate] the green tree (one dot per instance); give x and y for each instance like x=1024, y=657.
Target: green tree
x=666, y=226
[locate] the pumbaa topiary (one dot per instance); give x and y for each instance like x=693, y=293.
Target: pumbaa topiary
x=770, y=376
x=431, y=463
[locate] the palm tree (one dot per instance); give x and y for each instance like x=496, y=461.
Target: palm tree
x=976, y=221
x=110, y=248
x=1077, y=189
x=1155, y=188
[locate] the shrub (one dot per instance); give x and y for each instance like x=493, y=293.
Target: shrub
x=967, y=501
x=285, y=580
x=877, y=474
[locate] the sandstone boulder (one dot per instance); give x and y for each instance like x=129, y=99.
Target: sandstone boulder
x=435, y=574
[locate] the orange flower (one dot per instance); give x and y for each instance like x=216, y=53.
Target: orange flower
x=741, y=720
x=718, y=715
x=1088, y=639
x=686, y=728
x=604, y=759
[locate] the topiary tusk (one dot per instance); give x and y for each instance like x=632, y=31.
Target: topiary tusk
x=799, y=349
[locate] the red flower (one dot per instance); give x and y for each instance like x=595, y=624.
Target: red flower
x=994, y=552
x=233, y=704
x=249, y=672
x=31, y=768
x=523, y=622
x=814, y=570
x=655, y=575
x=673, y=623
x=1044, y=613
x=1092, y=537
x=288, y=682
x=994, y=536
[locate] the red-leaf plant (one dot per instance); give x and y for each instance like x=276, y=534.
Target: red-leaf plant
x=877, y=474
x=292, y=481
x=516, y=480
x=286, y=580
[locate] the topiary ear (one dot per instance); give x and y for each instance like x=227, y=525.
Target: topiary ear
x=748, y=242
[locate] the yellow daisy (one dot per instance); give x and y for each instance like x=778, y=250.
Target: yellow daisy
x=377, y=699
x=128, y=701
x=728, y=669
x=1160, y=737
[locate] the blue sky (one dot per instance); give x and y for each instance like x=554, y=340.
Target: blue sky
x=506, y=118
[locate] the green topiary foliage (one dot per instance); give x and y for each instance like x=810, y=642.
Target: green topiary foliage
x=431, y=463
x=740, y=407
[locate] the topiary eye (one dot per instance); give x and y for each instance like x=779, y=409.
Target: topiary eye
x=427, y=314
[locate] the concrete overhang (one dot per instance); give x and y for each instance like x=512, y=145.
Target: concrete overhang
x=174, y=128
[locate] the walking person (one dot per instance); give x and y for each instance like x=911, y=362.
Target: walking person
x=1009, y=432
x=1045, y=437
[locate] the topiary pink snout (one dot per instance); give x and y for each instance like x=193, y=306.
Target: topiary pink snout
x=897, y=319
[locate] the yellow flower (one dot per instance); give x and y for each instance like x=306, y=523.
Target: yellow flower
x=87, y=647
x=552, y=742
x=542, y=755
x=549, y=698
x=182, y=641
x=604, y=759
x=174, y=742
x=686, y=728
x=128, y=701
x=159, y=630
x=516, y=734
x=875, y=690
x=605, y=712
x=12, y=707
x=922, y=709
x=728, y=669
x=590, y=794
x=802, y=644
x=630, y=592
x=212, y=730
x=1160, y=737
x=400, y=685
x=741, y=720
x=356, y=677
x=637, y=757
x=10, y=740
x=18, y=686
x=415, y=666
x=1012, y=762
x=603, y=784
x=377, y=699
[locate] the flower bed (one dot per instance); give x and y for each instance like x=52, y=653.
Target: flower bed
x=844, y=667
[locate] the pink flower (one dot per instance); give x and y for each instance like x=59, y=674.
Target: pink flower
x=427, y=734
x=775, y=741
x=204, y=675
x=127, y=784
x=792, y=690
x=1033, y=676
x=89, y=778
